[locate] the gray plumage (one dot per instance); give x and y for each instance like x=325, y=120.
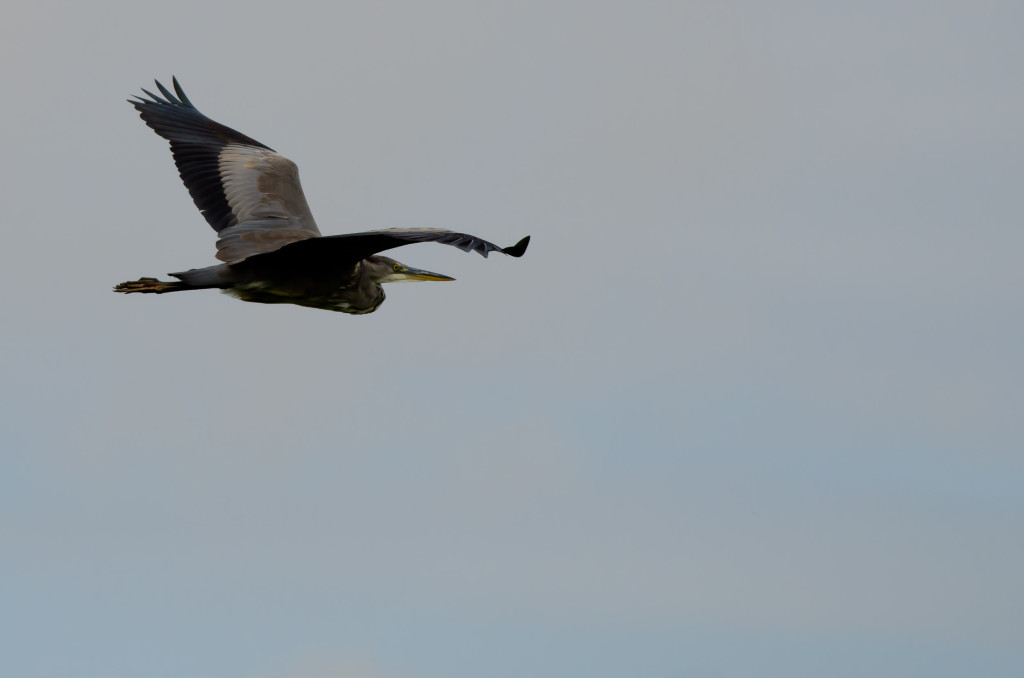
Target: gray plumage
x=267, y=238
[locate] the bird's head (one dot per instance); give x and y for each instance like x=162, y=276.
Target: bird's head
x=386, y=270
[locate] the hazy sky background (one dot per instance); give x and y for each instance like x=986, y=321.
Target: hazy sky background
x=750, y=406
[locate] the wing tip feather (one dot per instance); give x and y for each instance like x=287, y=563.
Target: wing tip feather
x=519, y=249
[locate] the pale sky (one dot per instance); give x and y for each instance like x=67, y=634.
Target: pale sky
x=749, y=406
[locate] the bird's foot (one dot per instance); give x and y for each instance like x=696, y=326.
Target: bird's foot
x=150, y=285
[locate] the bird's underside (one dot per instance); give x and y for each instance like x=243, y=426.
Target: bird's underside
x=270, y=246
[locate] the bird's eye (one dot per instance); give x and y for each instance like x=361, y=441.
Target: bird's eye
x=398, y=267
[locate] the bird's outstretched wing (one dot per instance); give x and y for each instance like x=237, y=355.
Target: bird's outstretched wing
x=334, y=251
x=248, y=193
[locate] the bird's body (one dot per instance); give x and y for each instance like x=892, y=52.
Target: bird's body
x=272, y=250
x=352, y=291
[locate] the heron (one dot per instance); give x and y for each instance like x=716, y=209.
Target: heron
x=270, y=246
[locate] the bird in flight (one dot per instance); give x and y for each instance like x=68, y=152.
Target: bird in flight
x=272, y=250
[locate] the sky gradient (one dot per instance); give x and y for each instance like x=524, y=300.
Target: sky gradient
x=749, y=405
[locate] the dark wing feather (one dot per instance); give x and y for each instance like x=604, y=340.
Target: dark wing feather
x=337, y=251
x=196, y=143
x=372, y=242
x=247, y=192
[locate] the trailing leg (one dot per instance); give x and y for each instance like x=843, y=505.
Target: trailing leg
x=211, y=277
x=151, y=286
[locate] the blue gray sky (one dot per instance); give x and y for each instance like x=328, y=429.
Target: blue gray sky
x=750, y=405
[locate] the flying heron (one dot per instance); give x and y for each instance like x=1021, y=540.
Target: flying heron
x=272, y=250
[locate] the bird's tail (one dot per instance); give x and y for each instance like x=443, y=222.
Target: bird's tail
x=151, y=286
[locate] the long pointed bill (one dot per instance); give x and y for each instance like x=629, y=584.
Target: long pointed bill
x=416, y=274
